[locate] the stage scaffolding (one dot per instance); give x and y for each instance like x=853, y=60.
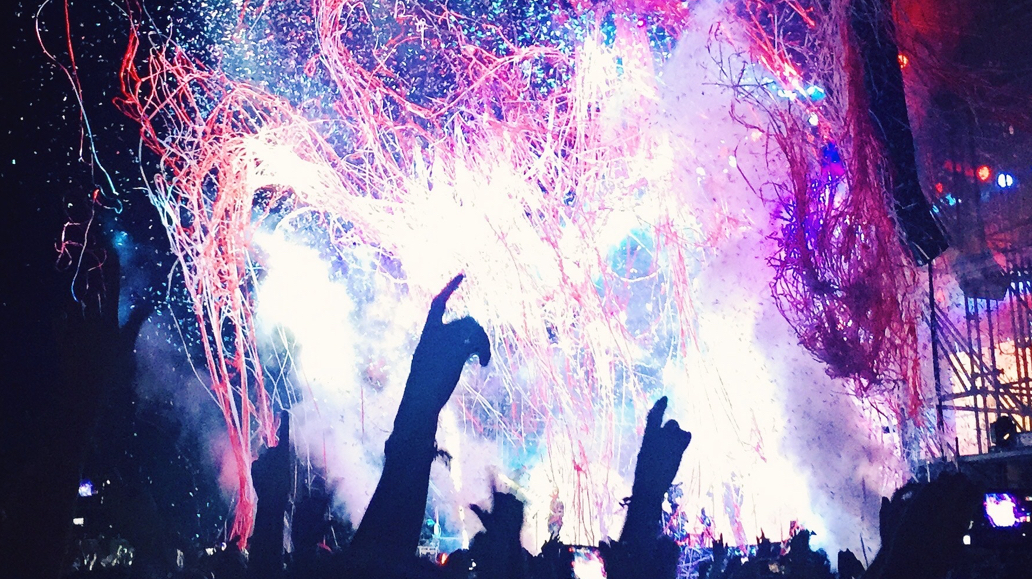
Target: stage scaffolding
x=983, y=354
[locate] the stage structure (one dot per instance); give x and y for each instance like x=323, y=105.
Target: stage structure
x=985, y=357
x=980, y=299
x=981, y=309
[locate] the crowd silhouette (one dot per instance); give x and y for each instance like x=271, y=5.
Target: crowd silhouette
x=921, y=526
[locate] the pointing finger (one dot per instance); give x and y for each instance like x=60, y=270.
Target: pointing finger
x=441, y=300
x=654, y=420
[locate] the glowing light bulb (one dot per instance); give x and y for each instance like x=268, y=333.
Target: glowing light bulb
x=1005, y=180
x=984, y=173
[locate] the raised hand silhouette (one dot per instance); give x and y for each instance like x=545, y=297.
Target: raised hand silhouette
x=389, y=531
x=496, y=550
x=271, y=472
x=272, y=483
x=662, y=447
x=849, y=567
x=640, y=551
x=442, y=352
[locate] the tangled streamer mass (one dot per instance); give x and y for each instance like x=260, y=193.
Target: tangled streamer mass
x=647, y=197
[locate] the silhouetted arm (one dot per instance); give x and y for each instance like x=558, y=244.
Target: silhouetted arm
x=272, y=482
x=389, y=531
x=641, y=551
x=662, y=447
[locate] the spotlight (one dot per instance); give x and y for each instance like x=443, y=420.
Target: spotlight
x=1004, y=432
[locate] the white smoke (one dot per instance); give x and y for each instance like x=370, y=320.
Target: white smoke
x=769, y=426
x=809, y=451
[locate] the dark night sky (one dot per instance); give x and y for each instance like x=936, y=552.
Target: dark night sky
x=40, y=172
x=36, y=171
x=49, y=412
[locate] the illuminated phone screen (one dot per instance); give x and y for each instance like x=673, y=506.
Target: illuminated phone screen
x=1007, y=510
x=587, y=563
